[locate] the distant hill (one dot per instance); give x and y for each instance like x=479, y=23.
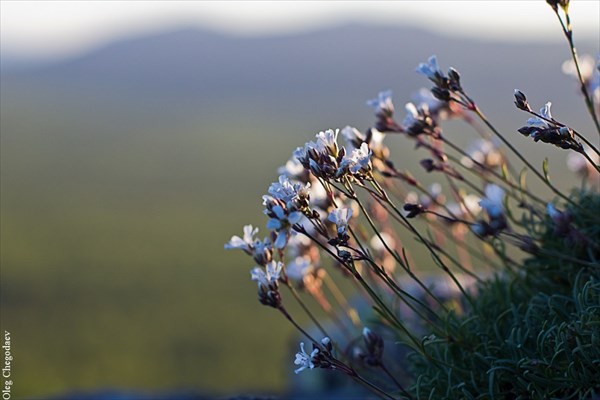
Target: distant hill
x=339, y=67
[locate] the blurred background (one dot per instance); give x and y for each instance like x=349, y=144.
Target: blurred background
x=137, y=137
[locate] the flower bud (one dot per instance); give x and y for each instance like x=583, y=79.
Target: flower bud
x=521, y=101
x=413, y=209
x=374, y=345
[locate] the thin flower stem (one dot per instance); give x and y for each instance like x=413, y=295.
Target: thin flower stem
x=408, y=270
x=395, y=255
x=596, y=167
x=569, y=35
x=494, y=173
x=549, y=253
x=305, y=308
x=341, y=299
x=477, y=111
x=390, y=317
x=393, y=378
x=380, y=271
x=352, y=373
x=455, y=262
x=289, y=318
x=431, y=250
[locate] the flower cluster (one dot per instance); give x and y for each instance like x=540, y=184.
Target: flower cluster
x=542, y=127
x=352, y=212
x=326, y=160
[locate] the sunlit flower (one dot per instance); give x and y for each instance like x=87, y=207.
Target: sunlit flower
x=412, y=115
x=383, y=103
x=418, y=120
x=327, y=140
x=320, y=157
x=244, y=243
x=539, y=122
x=340, y=217
x=281, y=219
x=294, y=194
x=353, y=136
x=545, y=129
x=269, y=276
x=359, y=159
x=263, y=251
x=431, y=69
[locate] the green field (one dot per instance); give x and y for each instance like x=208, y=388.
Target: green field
x=113, y=268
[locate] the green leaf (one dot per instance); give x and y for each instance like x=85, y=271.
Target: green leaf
x=523, y=182
x=545, y=169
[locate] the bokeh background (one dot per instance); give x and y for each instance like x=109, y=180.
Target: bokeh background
x=137, y=137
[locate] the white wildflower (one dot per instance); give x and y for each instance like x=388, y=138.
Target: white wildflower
x=305, y=360
x=287, y=190
x=281, y=220
x=327, y=140
x=412, y=115
x=383, y=103
x=269, y=276
x=340, y=217
x=244, y=243
x=359, y=159
x=539, y=122
x=430, y=69
x=353, y=136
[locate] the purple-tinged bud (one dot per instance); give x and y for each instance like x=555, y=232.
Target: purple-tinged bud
x=454, y=78
x=413, y=209
x=521, y=101
x=326, y=342
x=441, y=94
x=374, y=346
x=428, y=164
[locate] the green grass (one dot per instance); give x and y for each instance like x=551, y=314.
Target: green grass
x=113, y=268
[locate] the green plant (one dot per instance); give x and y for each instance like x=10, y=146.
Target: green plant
x=519, y=318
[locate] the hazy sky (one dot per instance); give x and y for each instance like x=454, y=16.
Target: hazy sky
x=58, y=28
